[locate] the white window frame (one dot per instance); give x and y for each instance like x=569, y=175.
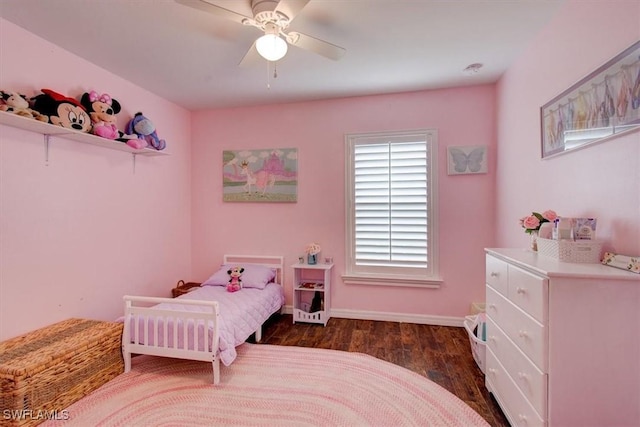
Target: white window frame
x=386, y=275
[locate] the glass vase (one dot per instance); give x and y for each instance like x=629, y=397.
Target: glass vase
x=533, y=241
x=312, y=259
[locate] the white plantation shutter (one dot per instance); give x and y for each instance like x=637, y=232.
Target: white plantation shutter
x=389, y=199
x=391, y=204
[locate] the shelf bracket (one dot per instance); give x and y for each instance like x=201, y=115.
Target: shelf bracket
x=46, y=149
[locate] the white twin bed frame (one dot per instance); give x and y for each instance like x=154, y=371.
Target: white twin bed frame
x=192, y=347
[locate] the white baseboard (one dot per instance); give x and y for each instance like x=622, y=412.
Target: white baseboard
x=423, y=319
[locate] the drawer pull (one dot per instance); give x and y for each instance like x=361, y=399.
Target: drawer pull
x=494, y=274
x=522, y=418
x=492, y=371
x=521, y=290
x=523, y=376
x=523, y=334
x=493, y=338
x=492, y=306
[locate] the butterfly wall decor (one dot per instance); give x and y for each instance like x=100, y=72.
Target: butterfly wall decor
x=467, y=160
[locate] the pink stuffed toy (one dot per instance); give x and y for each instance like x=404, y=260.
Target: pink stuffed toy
x=235, y=283
x=103, y=109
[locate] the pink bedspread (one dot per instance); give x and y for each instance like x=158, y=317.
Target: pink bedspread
x=241, y=314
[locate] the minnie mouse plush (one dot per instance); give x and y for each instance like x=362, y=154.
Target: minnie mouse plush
x=103, y=109
x=62, y=110
x=235, y=284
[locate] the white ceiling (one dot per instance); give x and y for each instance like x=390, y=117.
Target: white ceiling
x=191, y=57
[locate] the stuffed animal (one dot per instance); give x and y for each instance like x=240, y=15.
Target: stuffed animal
x=235, y=283
x=145, y=129
x=62, y=110
x=103, y=109
x=16, y=103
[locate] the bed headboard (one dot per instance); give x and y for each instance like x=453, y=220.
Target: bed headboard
x=271, y=261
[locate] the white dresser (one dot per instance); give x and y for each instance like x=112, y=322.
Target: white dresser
x=563, y=341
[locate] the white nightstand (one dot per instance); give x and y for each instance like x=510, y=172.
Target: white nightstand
x=312, y=293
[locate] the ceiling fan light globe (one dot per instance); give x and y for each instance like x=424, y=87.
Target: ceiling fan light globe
x=271, y=47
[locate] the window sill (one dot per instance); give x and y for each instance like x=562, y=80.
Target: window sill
x=408, y=282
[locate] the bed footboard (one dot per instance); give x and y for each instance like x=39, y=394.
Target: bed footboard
x=153, y=327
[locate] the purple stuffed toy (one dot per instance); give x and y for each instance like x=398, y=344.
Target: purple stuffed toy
x=145, y=129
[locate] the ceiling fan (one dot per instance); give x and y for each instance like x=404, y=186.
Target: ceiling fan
x=273, y=18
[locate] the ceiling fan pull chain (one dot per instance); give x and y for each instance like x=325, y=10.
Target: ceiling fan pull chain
x=268, y=76
x=275, y=72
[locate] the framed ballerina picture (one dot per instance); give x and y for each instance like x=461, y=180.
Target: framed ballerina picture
x=603, y=104
x=265, y=175
x=467, y=160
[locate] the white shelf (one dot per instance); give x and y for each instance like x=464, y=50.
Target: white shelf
x=299, y=287
x=319, y=266
x=49, y=130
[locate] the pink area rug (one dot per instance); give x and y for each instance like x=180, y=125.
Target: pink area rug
x=272, y=386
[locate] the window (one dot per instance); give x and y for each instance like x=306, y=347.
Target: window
x=390, y=208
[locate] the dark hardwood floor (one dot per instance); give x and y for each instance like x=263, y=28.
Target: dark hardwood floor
x=440, y=353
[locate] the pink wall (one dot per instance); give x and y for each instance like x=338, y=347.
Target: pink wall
x=462, y=116
x=601, y=180
x=78, y=234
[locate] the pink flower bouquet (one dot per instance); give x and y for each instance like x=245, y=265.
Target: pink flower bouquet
x=533, y=222
x=313, y=249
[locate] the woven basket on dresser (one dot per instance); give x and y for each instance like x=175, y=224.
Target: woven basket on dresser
x=579, y=251
x=45, y=371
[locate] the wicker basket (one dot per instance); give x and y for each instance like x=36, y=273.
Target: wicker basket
x=45, y=371
x=580, y=251
x=478, y=346
x=183, y=288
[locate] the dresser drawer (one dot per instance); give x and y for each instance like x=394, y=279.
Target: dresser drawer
x=529, y=335
x=529, y=292
x=531, y=382
x=515, y=405
x=496, y=274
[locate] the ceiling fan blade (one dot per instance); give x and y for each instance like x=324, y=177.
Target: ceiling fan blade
x=215, y=10
x=291, y=7
x=318, y=46
x=251, y=57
